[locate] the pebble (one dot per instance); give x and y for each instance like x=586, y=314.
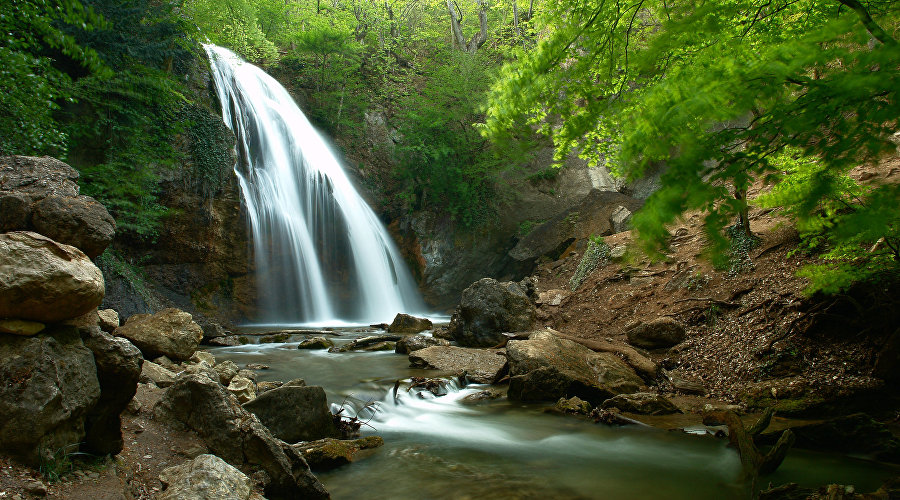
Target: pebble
x=148, y=457
x=93, y=475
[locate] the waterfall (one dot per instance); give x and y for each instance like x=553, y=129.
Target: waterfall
x=321, y=254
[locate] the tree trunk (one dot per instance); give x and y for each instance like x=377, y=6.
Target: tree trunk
x=459, y=40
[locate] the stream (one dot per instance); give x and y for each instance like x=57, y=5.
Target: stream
x=439, y=447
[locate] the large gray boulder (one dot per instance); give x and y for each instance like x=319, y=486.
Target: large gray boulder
x=660, y=333
x=546, y=368
x=81, y=222
x=206, y=477
x=481, y=366
x=170, y=332
x=488, y=309
x=237, y=436
x=46, y=281
x=294, y=413
x=118, y=371
x=37, y=177
x=49, y=385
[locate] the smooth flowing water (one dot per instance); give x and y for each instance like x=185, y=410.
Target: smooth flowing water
x=439, y=447
x=322, y=256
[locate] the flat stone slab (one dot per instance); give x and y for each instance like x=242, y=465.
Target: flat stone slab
x=482, y=366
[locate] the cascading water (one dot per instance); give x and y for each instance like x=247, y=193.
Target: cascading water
x=322, y=256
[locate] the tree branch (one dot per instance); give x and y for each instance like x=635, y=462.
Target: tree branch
x=873, y=28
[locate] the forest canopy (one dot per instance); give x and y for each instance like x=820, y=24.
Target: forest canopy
x=720, y=94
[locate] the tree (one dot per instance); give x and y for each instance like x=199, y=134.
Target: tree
x=716, y=91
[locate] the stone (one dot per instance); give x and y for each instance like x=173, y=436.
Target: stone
x=552, y=297
x=21, y=327
x=573, y=405
x=152, y=372
x=856, y=433
x=248, y=372
x=487, y=310
x=170, y=332
x=119, y=368
x=328, y=453
x=206, y=477
x=79, y=221
x=684, y=384
x=412, y=343
x=404, y=323
x=109, y=320
x=366, y=343
x=316, y=343
x=242, y=388
x=620, y=219
x=657, y=334
x=481, y=366
x=203, y=357
x=481, y=397
x=546, y=368
x=644, y=403
x=294, y=413
x=45, y=281
x=226, y=370
x=36, y=488
x=618, y=252
x=49, y=386
x=167, y=363
x=37, y=177
x=267, y=385
x=237, y=436
x=15, y=212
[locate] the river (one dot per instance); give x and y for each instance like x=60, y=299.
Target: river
x=438, y=447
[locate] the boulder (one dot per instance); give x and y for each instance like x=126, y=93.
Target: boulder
x=481, y=397
x=412, y=343
x=620, y=219
x=206, y=477
x=152, y=372
x=79, y=221
x=37, y=177
x=546, y=368
x=328, y=453
x=316, y=343
x=170, y=332
x=481, y=366
x=487, y=310
x=226, y=370
x=657, y=334
x=573, y=405
x=203, y=357
x=294, y=413
x=109, y=320
x=20, y=327
x=46, y=281
x=118, y=371
x=238, y=437
x=242, y=388
x=49, y=384
x=404, y=323
x=644, y=403
x=15, y=212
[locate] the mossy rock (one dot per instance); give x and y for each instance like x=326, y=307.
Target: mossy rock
x=327, y=454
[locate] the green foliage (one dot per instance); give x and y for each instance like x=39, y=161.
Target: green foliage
x=445, y=164
x=33, y=87
x=596, y=255
x=234, y=24
x=209, y=144
x=715, y=90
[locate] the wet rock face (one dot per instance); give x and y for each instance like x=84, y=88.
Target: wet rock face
x=40, y=194
x=49, y=386
x=46, y=281
x=546, y=368
x=294, y=413
x=413, y=343
x=170, y=332
x=488, y=309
